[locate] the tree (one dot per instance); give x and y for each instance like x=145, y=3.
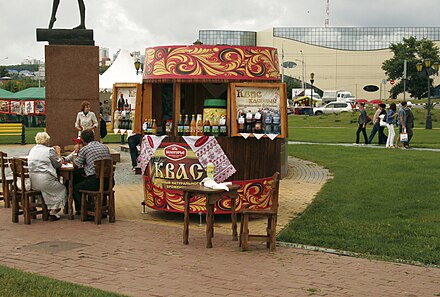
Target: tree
x=413, y=51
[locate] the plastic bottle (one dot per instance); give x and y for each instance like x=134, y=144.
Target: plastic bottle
x=210, y=168
x=192, y=126
x=276, y=123
x=199, y=125
x=268, y=123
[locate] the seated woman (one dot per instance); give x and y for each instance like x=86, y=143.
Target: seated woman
x=43, y=162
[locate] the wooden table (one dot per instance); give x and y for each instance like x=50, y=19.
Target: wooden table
x=67, y=174
x=212, y=196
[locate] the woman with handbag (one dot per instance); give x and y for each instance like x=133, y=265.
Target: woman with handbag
x=362, y=121
x=390, y=119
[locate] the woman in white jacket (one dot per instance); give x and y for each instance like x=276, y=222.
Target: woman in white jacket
x=43, y=162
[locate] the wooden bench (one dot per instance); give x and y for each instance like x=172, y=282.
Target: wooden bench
x=11, y=129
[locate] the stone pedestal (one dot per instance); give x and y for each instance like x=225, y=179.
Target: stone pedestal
x=72, y=76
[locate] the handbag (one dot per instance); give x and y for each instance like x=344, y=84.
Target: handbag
x=403, y=136
x=367, y=119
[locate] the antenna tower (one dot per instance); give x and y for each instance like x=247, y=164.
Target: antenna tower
x=327, y=13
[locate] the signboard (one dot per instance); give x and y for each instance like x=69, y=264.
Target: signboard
x=4, y=106
x=264, y=104
x=174, y=165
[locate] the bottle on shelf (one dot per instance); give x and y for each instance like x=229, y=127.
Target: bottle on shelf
x=268, y=123
x=249, y=118
x=169, y=127
x=210, y=170
x=258, y=123
x=199, y=125
x=214, y=126
x=186, y=124
x=180, y=126
x=154, y=127
x=241, y=123
x=276, y=128
x=223, y=129
x=144, y=127
x=192, y=126
x=206, y=127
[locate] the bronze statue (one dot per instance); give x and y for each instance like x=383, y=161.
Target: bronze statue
x=82, y=12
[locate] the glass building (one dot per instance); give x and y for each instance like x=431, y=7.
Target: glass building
x=225, y=37
x=355, y=38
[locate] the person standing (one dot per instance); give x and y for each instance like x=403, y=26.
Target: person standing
x=121, y=102
x=382, y=136
x=405, y=122
x=43, y=161
x=409, y=124
x=87, y=155
x=362, y=121
x=133, y=141
x=85, y=119
x=390, y=120
x=376, y=124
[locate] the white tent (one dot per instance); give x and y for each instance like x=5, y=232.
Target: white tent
x=121, y=71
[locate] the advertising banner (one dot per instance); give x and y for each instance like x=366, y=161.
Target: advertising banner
x=4, y=106
x=174, y=165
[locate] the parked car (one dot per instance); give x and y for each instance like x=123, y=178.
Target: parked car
x=333, y=107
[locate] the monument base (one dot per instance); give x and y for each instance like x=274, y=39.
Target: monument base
x=66, y=36
x=72, y=76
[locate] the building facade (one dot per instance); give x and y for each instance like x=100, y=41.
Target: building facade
x=342, y=58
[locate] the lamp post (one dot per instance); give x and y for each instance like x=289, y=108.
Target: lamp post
x=137, y=65
x=430, y=70
x=5, y=58
x=312, y=80
x=303, y=69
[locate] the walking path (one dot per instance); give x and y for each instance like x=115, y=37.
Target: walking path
x=143, y=254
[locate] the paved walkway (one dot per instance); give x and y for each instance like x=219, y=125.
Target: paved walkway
x=143, y=255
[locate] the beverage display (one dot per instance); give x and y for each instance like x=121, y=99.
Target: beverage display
x=249, y=119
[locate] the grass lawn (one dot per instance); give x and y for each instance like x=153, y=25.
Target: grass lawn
x=15, y=283
x=382, y=203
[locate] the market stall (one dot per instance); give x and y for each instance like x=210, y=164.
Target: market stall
x=202, y=106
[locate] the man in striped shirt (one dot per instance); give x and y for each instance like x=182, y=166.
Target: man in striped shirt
x=87, y=155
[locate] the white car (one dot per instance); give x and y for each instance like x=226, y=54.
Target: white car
x=333, y=107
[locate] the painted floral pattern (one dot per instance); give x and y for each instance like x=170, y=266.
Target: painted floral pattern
x=212, y=62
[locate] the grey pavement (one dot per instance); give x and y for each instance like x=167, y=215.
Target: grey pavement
x=146, y=257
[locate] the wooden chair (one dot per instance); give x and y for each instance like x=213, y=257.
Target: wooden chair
x=100, y=202
x=25, y=201
x=6, y=189
x=270, y=214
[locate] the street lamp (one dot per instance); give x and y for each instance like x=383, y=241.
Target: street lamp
x=312, y=80
x=430, y=70
x=3, y=59
x=137, y=65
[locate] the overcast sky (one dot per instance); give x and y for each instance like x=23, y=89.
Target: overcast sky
x=137, y=24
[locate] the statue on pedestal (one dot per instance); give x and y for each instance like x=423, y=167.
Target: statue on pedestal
x=82, y=12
